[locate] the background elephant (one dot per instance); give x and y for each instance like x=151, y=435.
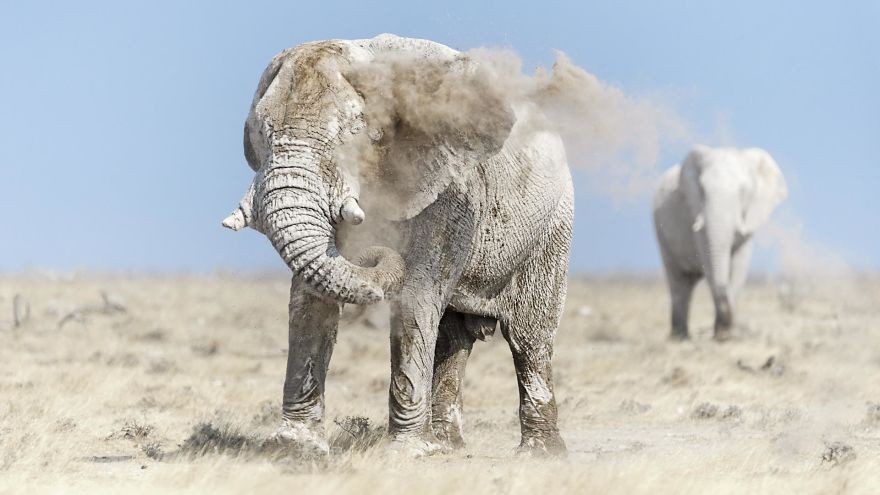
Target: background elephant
x=706, y=211
x=410, y=137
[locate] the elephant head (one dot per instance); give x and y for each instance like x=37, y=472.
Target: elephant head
x=328, y=116
x=730, y=193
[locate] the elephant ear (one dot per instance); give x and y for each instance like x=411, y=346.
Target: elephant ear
x=689, y=180
x=768, y=190
x=435, y=119
x=252, y=131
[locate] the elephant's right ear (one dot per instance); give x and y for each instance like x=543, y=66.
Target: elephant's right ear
x=439, y=119
x=689, y=179
x=768, y=190
x=252, y=131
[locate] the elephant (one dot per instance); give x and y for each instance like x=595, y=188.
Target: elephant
x=706, y=211
x=406, y=142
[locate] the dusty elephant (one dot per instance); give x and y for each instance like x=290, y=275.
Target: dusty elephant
x=706, y=211
x=410, y=135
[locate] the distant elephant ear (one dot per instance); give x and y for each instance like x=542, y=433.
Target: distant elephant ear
x=768, y=190
x=689, y=179
x=439, y=120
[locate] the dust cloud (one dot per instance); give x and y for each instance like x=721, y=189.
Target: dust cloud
x=801, y=258
x=614, y=137
x=803, y=263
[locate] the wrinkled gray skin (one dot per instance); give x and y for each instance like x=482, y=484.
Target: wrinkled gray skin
x=484, y=222
x=706, y=211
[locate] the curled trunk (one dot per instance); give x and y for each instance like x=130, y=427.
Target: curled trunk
x=296, y=216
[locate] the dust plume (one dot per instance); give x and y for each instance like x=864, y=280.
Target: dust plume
x=800, y=258
x=612, y=136
x=806, y=268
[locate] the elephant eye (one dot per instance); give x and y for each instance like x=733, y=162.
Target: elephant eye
x=357, y=127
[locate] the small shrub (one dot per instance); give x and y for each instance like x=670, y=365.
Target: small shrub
x=705, y=410
x=837, y=453
x=355, y=433
x=133, y=430
x=207, y=438
x=153, y=450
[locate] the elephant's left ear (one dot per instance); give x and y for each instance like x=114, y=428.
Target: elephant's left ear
x=446, y=118
x=767, y=192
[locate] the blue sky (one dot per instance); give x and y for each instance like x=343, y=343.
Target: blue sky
x=120, y=125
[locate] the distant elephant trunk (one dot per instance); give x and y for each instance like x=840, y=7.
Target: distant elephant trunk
x=718, y=243
x=296, y=216
x=718, y=271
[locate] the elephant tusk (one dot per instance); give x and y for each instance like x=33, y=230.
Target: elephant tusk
x=699, y=223
x=351, y=212
x=235, y=221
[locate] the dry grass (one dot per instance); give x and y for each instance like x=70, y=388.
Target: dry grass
x=173, y=384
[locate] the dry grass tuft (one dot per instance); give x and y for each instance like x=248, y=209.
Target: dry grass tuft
x=133, y=430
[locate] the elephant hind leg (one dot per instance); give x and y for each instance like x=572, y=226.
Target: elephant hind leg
x=454, y=344
x=532, y=349
x=530, y=328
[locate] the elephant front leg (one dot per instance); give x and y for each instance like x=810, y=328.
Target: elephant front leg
x=723, y=316
x=313, y=324
x=681, y=288
x=414, y=325
x=723, y=313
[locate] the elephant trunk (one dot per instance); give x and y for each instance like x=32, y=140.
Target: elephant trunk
x=295, y=214
x=718, y=245
x=718, y=269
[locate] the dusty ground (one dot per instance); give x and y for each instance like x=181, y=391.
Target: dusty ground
x=105, y=395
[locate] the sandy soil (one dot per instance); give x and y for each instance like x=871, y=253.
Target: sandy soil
x=105, y=394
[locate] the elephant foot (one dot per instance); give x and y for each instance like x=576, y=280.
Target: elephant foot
x=414, y=447
x=723, y=334
x=545, y=446
x=679, y=336
x=448, y=434
x=303, y=439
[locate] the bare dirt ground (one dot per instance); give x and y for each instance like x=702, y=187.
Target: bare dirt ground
x=169, y=383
